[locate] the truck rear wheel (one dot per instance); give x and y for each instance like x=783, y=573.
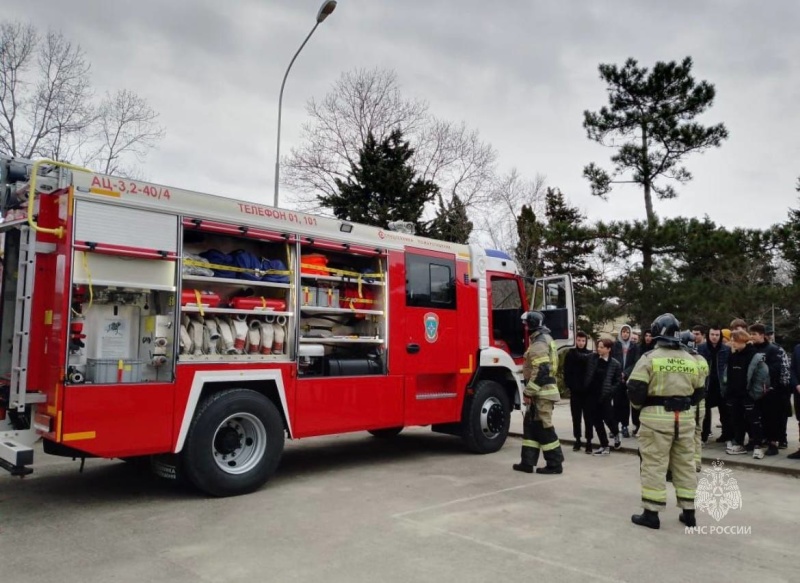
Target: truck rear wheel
x=234, y=443
x=487, y=418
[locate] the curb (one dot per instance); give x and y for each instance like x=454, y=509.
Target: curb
x=734, y=463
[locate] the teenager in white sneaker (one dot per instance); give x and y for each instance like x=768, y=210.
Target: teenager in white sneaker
x=603, y=378
x=747, y=380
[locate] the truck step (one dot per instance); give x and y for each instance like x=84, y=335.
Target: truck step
x=15, y=457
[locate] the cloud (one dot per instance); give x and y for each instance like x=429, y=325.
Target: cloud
x=521, y=72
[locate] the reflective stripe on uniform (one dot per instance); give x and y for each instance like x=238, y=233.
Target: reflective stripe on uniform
x=685, y=494
x=547, y=391
x=656, y=496
x=540, y=360
x=552, y=445
x=530, y=443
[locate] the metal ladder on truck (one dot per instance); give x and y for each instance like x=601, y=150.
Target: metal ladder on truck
x=16, y=451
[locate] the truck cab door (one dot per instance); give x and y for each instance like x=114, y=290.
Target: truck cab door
x=553, y=296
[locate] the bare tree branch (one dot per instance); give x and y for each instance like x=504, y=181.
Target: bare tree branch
x=127, y=125
x=370, y=101
x=47, y=107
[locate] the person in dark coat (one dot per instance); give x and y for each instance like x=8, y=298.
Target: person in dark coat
x=716, y=355
x=795, y=384
x=646, y=346
x=626, y=352
x=574, y=378
x=747, y=379
x=603, y=380
x=772, y=406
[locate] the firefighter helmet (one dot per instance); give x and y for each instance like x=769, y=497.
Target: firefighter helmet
x=534, y=320
x=666, y=328
x=687, y=339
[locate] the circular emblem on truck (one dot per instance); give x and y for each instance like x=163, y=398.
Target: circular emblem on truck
x=431, y=327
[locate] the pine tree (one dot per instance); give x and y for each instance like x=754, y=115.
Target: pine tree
x=527, y=253
x=567, y=247
x=382, y=186
x=451, y=222
x=649, y=121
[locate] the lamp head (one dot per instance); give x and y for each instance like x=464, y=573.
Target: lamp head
x=325, y=10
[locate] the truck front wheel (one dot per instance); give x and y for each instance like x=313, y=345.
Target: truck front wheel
x=486, y=418
x=234, y=443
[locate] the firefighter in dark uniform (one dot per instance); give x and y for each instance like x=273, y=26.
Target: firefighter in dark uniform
x=540, y=396
x=667, y=384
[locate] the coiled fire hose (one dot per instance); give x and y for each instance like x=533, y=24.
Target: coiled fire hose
x=254, y=337
x=226, y=335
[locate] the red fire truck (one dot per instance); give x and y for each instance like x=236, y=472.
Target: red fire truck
x=141, y=321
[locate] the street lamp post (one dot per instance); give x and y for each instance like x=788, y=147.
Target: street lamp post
x=325, y=10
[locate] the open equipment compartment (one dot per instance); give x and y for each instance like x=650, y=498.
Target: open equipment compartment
x=342, y=306
x=237, y=293
x=122, y=296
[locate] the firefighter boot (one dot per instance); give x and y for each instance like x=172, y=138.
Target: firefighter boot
x=687, y=517
x=549, y=470
x=528, y=458
x=648, y=518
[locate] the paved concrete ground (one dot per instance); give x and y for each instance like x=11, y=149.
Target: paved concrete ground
x=354, y=508
x=562, y=420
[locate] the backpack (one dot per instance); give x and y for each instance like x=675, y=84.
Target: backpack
x=786, y=371
x=218, y=261
x=758, y=383
x=249, y=263
x=271, y=265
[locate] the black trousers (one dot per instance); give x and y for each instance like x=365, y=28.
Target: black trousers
x=580, y=405
x=635, y=417
x=727, y=433
x=773, y=415
x=622, y=408
x=787, y=398
x=745, y=417
x=604, y=413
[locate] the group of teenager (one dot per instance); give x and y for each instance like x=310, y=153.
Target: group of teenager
x=596, y=382
x=751, y=382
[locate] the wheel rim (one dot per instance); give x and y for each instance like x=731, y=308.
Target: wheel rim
x=493, y=418
x=239, y=443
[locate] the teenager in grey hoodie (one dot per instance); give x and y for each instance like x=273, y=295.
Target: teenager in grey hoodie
x=627, y=353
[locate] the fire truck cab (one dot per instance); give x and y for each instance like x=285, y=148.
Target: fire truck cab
x=198, y=331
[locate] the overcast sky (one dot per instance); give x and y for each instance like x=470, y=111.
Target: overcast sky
x=520, y=71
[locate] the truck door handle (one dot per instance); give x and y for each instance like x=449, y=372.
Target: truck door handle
x=412, y=348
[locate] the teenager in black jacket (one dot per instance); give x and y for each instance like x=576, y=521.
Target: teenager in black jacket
x=602, y=382
x=626, y=352
x=574, y=378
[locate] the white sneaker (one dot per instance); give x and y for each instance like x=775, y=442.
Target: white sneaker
x=758, y=453
x=602, y=451
x=735, y=450
x=728, y=445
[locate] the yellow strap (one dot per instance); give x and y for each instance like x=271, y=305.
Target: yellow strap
x=89, y=278
x=263, y=302
x=199, y=302
x=341, y=272
x=218, y=267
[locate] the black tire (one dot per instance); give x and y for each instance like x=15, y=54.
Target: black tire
x=234, y=443
x=486, y=418
x=387, y=433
